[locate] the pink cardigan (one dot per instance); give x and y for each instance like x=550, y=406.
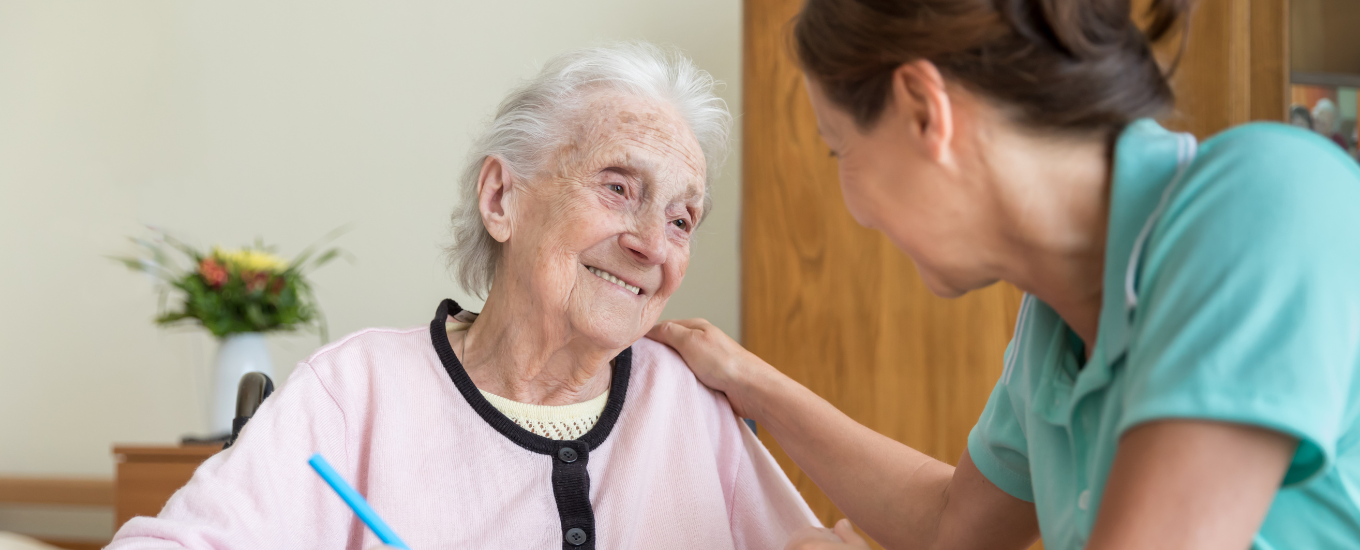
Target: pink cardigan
x=675, y=470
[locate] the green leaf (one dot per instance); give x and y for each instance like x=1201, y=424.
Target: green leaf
x=301, y=259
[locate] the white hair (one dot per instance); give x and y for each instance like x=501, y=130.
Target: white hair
x=534, y=119
x=1324, y=116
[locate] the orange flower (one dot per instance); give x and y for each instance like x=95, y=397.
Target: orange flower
x=212, y=272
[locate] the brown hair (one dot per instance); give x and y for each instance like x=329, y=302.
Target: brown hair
x=1066, y=65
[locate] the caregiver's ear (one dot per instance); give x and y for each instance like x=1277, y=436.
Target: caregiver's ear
x=495, y=198
x=921, y=95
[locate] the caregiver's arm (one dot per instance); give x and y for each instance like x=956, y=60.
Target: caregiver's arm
x=899, y=496
x=1190, y=484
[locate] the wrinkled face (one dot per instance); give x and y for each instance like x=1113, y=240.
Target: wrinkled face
x=891, y=183
x=602, y=237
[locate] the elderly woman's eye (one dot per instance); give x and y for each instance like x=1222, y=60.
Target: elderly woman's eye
x=682, y=224
x=616, y=188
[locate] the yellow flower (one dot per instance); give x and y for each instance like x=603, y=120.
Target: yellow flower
x=246, y=259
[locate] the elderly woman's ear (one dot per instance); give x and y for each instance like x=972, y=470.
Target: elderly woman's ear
x=495, y=198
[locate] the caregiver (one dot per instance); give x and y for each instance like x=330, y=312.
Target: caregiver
x=1183, y=370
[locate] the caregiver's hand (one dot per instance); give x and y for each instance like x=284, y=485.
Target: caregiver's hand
x=842, y=537
x=716, y=359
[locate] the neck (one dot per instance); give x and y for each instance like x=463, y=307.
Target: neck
x=1055, y=211
x=511, y=352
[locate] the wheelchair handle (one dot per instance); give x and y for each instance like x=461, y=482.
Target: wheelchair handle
x=252, y=391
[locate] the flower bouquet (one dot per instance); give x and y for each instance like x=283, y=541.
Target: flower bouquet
x=234, y=291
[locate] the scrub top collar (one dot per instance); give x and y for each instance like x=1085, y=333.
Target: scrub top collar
x=1149, y=162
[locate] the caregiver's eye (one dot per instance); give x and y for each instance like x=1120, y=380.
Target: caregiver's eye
x=616, y=188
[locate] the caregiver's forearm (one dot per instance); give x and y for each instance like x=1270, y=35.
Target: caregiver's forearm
x=895, y=493
x=901, y=497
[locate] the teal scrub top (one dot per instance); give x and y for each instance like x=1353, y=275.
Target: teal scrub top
x=1231, y=293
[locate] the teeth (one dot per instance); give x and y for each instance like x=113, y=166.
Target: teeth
x=606, y=276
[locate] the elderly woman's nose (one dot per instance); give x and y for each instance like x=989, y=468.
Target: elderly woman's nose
x=646, y=244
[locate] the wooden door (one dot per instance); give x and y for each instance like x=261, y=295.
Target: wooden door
x=838, y=308
x=1235, y=68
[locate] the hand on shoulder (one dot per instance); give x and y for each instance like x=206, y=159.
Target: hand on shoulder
x=717, y=360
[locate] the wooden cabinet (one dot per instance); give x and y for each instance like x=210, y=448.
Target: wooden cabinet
x=147, y=476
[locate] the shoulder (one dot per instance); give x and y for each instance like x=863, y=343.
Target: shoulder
x=672, y=396
x=653, y=359
x=1266, y=162
x=1272, y=139
x=658, y=368
x=1261, y=230
x=358, y=354
x=1268, y=138
x=650, y=350
x=372, y=340
x=1261, y=190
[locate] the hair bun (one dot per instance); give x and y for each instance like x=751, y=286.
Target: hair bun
x=1068, y=65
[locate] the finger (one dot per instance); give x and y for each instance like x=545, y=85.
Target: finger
x=694, y=324
x=847, y=533
x=670, y=333
x=810, y=537
x=657, y=332
x=673, y=334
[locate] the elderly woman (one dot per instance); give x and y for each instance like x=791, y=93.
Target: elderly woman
x=546, y=421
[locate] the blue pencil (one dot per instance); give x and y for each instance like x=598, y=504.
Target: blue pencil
x=356, y=502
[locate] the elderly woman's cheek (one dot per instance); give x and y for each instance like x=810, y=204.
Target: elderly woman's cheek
x=682, y=266
x=675, y=272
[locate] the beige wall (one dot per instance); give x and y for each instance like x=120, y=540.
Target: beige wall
x=279, y=118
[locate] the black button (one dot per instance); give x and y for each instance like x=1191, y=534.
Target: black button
x=576, y=536
x=568, y=455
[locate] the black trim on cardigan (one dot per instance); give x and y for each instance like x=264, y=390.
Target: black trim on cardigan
x=570, y=479
x=571, y=490
x=618, y=390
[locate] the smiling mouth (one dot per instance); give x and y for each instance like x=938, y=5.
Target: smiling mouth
x=611, y=278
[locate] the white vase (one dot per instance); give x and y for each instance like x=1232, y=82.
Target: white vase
x=238, y=355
